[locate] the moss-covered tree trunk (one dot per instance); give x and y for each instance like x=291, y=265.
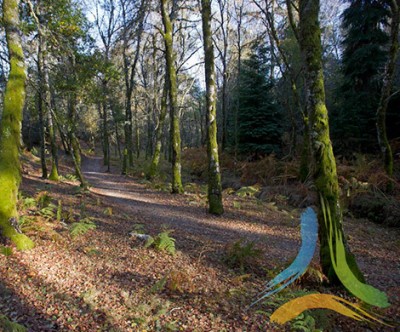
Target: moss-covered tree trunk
x=75, y=146
x=137, y=130
x=386, y=91
x=325, y=175
x=154, y=167
x=41, y=107
x=215, y=205
x=106, y=140
x=50, y=123
x=10, y=129
x=173, y=99
x=54, y=150
x=128, y=149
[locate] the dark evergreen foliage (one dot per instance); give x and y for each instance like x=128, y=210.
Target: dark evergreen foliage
x=364, y=57
x=260, y=128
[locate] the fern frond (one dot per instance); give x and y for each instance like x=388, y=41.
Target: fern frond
x=6, y=251
x=28, y=202
x=162, y=242
x=48, y=212
x=82, y=227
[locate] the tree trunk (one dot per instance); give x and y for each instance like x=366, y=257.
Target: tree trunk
x=325, y=175
x=137, y=130
x=129, y=73
x=10, y=129
x=153, y=171
x=173, y=93
x=41, y=107
x=386, y=91
x=75, y=148
x=117, y=135
x=214, y=176
x=50, y=123
x=149, y=146
x=128, y=150
x=54, y=151
x=106, y=140
x=239, y=13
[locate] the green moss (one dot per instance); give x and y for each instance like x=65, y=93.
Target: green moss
x=125, y=162
x=177, y=187
x=22, y=242
x=214, y=175
x=325, y=175
x=10, y=127
x=153, y=171
x=54, y=172
x=8, y=326
x=305, y=154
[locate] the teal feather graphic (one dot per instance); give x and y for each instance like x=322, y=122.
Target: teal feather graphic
x=309, y=237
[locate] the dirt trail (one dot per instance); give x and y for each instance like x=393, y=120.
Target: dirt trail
x=162, y=208
x=270, y=228
x=102, y=281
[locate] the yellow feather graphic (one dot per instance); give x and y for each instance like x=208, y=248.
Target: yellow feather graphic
x=292, y=309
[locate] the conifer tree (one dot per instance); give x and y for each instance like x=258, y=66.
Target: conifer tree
x=259, y=117
x=364, y=58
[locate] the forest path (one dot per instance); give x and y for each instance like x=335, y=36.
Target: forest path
x=107, y=281
x=159, y=208
x=275, y=231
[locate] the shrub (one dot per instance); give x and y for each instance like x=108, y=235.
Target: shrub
x=250, y=191
x=180, y=281
x=261, y=171
x=43, y=199
x=195, y=161
x=242, y=255
x=8, y=326
x=377, y=208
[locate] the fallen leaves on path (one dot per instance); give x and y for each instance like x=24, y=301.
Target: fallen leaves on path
x=107, y=280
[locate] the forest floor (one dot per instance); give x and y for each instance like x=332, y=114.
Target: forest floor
x=106, y=280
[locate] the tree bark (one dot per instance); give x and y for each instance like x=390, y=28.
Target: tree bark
x=41, y=107
x=129, y=73
x=50, y=123
x=215, y=205
x=153, y=171
x=75, y=146
x=325, y=175
x=224, y=54
x=106, y=140
x=386, y=91
x=137, y=130
x=10, y=129
x=177, y=187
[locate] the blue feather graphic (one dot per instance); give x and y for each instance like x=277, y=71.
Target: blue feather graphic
x=309, y=237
